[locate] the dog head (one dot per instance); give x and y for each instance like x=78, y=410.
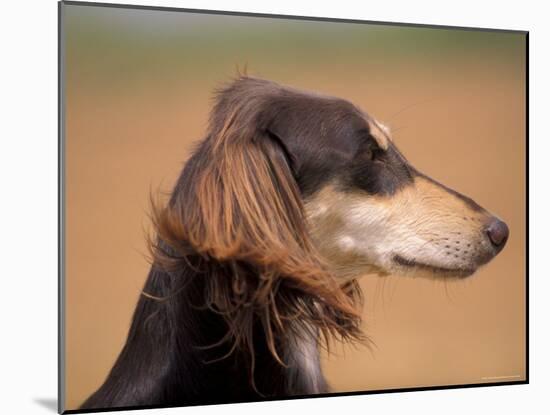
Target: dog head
x=292, y=196
x=368, y=209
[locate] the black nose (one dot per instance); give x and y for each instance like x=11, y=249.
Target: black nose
x=498, y=233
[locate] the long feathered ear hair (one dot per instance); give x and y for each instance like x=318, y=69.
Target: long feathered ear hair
x=237, y=208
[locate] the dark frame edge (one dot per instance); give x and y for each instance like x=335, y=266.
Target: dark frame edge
x=61, y=363
x=291, y=398
x=527, y=206
x=285, y=16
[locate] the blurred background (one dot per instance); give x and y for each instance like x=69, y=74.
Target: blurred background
x=139, y=87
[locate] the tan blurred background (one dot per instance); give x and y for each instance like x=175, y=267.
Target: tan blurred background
x=139, y=87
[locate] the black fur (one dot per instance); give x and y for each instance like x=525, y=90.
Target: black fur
x=163, y=362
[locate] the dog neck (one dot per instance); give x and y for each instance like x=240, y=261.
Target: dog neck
x=304, y=363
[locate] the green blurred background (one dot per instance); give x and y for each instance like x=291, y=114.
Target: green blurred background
x=138, y=90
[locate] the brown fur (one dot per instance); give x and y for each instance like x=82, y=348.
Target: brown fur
x=243, y=207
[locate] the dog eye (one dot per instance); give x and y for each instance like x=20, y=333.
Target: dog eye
x=372, y=151
x=369, y=153
x=369, y=147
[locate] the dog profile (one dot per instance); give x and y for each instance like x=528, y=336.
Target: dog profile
x=286, y=202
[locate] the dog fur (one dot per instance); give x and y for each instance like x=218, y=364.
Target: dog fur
x=290, y=198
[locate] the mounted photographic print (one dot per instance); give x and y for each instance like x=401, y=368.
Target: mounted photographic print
x=258, y=207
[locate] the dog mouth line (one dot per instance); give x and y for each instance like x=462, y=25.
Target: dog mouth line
x=411, y=263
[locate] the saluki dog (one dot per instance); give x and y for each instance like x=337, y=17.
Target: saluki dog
x=288, y=200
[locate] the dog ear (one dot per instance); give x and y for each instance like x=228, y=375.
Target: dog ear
x=237, y=207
